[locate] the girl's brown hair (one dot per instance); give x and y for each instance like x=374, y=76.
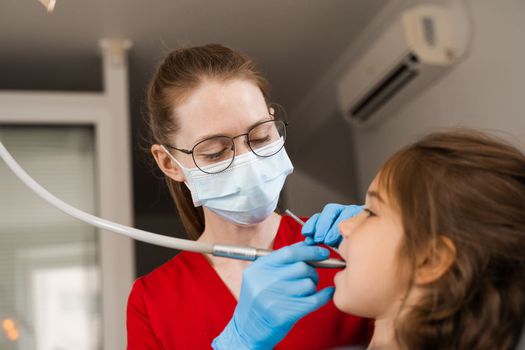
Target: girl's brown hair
x=180, y=73
x=470, y=188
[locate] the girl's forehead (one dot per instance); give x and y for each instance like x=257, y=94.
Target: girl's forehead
x=379, y=192
x=374, y=187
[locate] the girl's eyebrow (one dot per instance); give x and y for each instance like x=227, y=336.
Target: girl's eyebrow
x=375, y=194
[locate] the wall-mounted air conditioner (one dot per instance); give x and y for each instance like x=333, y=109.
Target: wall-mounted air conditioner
x=406, y=56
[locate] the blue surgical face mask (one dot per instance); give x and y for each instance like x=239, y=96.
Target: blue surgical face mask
x=245, y=193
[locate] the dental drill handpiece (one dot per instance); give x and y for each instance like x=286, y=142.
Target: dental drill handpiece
x=250, y=253
x=330, y=263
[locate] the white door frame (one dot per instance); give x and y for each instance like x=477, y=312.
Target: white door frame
x=108, y=113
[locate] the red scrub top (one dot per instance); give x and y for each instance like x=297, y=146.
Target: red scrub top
x=184, y=304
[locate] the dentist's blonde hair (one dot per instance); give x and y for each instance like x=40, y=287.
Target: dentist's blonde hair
x=181, y=72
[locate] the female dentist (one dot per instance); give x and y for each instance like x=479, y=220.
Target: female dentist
x=221, y=148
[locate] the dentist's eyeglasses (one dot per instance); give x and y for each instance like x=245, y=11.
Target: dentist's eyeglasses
x=216, y=154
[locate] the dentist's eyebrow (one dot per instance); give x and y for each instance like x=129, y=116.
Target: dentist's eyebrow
x=205, y=137
x=375, y=194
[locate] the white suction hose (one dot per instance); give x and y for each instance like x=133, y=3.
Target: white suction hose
x=141, y=235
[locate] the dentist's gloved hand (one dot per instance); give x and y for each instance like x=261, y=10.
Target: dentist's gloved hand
x=277, y=290
x=324, y=227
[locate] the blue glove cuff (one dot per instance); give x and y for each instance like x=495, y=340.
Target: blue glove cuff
x=230, y=339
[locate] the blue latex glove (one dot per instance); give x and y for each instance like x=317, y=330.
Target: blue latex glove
x=277, y=290
x=324, y=227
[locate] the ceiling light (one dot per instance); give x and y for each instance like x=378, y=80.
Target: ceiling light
x=48, y=4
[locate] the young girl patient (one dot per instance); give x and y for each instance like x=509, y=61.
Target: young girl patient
x=437, y=257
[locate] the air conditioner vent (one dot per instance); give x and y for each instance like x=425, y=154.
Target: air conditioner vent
x=392, y=84
x=410, y=52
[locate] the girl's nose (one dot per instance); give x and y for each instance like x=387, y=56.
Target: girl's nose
x=349, y=225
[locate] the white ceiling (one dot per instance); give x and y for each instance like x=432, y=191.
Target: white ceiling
x=294, y=41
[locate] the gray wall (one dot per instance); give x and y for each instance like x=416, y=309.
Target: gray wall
x=324, y=166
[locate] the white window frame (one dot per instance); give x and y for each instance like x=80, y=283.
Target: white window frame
x=108, y=113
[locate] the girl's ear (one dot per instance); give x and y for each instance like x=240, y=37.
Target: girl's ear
x=166, y=164
x=436, y=262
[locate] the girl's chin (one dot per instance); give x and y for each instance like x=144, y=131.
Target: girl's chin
x=339, y=283
x=338, y=299
x=339, y=275
x=336, y=277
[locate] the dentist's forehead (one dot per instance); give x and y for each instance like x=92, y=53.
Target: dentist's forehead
x=220, y=107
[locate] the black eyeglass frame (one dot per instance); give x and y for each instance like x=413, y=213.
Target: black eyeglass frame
x=246, y=134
